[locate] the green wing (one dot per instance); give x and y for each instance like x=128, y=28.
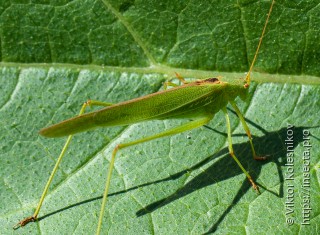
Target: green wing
x=193, y=100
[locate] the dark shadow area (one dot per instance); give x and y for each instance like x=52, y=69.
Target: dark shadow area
x=271, y=144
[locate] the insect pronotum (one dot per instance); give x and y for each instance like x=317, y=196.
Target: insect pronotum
x=198, y=100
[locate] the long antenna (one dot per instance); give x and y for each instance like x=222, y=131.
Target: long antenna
x=260, y=42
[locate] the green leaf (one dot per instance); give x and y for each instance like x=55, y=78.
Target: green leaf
x=57, y=54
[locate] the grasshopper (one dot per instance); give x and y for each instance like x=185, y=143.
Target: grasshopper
x=198, y=100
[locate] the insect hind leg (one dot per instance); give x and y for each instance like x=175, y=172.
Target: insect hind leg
x=184, y=127
x=34, y=217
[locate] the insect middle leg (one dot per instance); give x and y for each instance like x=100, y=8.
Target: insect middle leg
x=247, y=130
x=169, y=83
x=254, y=185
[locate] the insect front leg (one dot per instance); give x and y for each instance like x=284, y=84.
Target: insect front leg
x=247, y=130
x=254, y=185
x=64, y=149
x=185, y=127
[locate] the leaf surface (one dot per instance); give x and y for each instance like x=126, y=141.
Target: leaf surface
x=57, y=54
